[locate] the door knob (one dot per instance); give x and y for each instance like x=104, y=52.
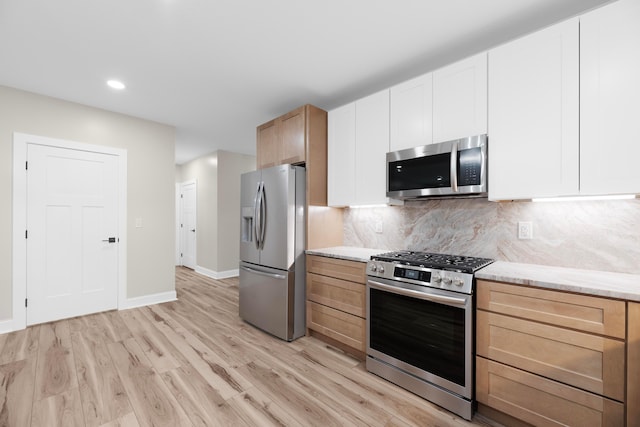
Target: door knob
x=110, y=240
x=194, y=230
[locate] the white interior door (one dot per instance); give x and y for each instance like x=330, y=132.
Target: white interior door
x=188, y=216
x=72, y=226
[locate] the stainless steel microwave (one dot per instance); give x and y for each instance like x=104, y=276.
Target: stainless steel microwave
x=452, y=168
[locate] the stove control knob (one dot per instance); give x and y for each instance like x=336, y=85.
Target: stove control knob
x=436, y=278
x=372, y=267
x=458, y=281
x=446, y=280
x=380, y=269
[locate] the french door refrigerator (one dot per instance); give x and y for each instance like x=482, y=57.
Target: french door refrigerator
x=272, y=241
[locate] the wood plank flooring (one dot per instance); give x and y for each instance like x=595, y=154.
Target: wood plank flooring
x=192, y=362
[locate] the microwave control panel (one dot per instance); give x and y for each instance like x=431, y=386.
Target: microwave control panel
x=469, y=166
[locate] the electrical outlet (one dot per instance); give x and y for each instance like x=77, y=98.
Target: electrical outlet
x=525, y=230
x=378, y=226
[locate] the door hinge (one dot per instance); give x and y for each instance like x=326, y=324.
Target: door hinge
x=181, y=255
x=25, y=302
x=26, y=234
x=26, y=165
x=181, y=225
x=182, y=196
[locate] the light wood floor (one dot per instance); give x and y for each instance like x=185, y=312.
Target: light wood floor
x=191, y=362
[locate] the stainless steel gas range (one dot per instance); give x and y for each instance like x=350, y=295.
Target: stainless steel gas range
x=420, y=325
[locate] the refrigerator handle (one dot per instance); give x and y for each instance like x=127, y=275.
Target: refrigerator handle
x=264, y=273
x=256, y=222
x=263, y=216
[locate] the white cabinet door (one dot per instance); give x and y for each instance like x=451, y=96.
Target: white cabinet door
x=341, y=152
x=357, y=148
x=460, y=99
x=412, y=113
x=609, y=99
x=533, y=115
x=372, y=144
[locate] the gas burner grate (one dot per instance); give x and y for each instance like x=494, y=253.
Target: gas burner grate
x=461, y=263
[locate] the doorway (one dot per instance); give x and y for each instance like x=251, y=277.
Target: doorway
x=188, y=199
x=69, y=229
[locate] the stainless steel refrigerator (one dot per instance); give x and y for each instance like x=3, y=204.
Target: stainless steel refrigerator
x=272, y=241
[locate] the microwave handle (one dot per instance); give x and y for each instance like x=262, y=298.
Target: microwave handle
x=454, y=167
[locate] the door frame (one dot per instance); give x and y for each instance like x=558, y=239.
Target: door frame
x=179, y=220
x=19, y=244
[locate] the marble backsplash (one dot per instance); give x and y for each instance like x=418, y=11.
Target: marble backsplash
x=593, y=235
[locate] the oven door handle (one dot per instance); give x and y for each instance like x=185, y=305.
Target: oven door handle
x=453, y=301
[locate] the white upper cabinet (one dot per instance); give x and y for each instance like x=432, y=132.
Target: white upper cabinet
x=358, y=143
x=460, y=99
x=534, y=115
x=372, y=144
x=412, y=113
x=341, y=155
x=610, y=99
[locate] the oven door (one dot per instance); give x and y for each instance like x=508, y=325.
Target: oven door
x=423, y=331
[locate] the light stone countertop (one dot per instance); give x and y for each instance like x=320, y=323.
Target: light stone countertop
x=347, y=252
x=591, y=282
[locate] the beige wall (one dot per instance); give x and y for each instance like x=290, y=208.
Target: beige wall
x=150, y=189
x=230, y=167
x=217, y=177
x=204, y=170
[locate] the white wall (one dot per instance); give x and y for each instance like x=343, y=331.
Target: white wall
x=151, y=174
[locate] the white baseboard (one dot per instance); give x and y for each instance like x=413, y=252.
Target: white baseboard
x=217, y=274
x=148, y=300
x=6, y=326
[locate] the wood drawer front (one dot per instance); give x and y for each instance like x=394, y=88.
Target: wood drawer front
x=540, y=401
x=633, y=367
x=338, y=268
x=345, y=328
x=590, y=362
x=341, y=294
x=582, y=312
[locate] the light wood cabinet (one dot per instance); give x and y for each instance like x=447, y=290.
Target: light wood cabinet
x=541, y=401
x=586, y=361
x=268, y=145
x=548, y=357
x=534, y=115
x=633, y=364
x=293, y=138
x=358, y=144
x=460, y=99
x=300, y=137
x=412, y=113
x=342, y=269
x=581, y=312
x=609, y=93
x=336, y=308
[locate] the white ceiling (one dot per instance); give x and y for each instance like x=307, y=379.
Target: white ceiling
x=215, y=69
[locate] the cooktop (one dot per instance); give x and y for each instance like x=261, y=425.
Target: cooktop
x=460, y=263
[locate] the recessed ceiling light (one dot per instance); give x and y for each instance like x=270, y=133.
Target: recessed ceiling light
x=116, y=84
